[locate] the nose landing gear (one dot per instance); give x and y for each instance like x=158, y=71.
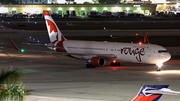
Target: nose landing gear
x=159, y=66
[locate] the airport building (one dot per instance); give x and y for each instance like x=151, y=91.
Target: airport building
x=79, y=9
x=171, y=5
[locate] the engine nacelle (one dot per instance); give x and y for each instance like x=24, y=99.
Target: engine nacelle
x=97, y=61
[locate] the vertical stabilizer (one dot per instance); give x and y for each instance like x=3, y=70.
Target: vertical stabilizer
x=149, y=93
x=53, y=31
x=146, y=41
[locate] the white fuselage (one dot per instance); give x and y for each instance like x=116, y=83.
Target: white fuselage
x=130, y=52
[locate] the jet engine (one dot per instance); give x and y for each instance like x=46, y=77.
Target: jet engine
x=97, y=61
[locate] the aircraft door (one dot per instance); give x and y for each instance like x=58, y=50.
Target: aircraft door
x=149, y=52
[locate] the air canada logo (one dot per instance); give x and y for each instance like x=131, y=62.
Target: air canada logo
x=138, y=52
x=52, y=26
x=52, y=30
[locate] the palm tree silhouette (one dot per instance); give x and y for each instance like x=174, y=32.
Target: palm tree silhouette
x=10, y=85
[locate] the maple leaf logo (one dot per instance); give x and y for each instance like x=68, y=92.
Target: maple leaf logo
x=52, y=30
x=52, y=26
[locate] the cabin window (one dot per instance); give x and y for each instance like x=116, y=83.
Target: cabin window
x=162, y=51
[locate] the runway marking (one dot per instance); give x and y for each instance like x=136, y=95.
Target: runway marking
x=66, y=98
x=10, y=56
x=165, y=72
x=34, y=71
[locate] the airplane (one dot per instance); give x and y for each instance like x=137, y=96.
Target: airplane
x=153, y=92
x=97, y=53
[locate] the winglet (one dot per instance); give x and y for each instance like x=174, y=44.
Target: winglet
x=13, y=44
x=146, y=41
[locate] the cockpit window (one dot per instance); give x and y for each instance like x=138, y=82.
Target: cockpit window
x=162, y=51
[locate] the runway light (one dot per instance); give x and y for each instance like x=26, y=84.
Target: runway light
x=29, y=37
x=28, y=20
x=154, y=22
x=2, y=20
x=8, y=22
x=38, y=41
x=142, y=20
x=35, y=22
x=137, y=34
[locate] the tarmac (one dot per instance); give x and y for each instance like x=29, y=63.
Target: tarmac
x=54, y=77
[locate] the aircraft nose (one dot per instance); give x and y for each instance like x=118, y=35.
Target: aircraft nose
x=165, y=57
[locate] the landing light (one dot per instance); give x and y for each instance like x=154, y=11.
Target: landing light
x=159, y=64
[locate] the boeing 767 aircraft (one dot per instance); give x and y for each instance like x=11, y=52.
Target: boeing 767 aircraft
x=97, y=53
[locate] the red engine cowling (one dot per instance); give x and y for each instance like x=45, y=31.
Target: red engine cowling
x=98, y=61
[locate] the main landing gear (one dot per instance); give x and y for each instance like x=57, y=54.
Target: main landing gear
x=115, y=63
x=89, y=66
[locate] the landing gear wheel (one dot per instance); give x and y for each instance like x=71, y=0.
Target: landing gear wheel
x=158, y=69
x=118, y=64
x=89, y=66
x=115, y=64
